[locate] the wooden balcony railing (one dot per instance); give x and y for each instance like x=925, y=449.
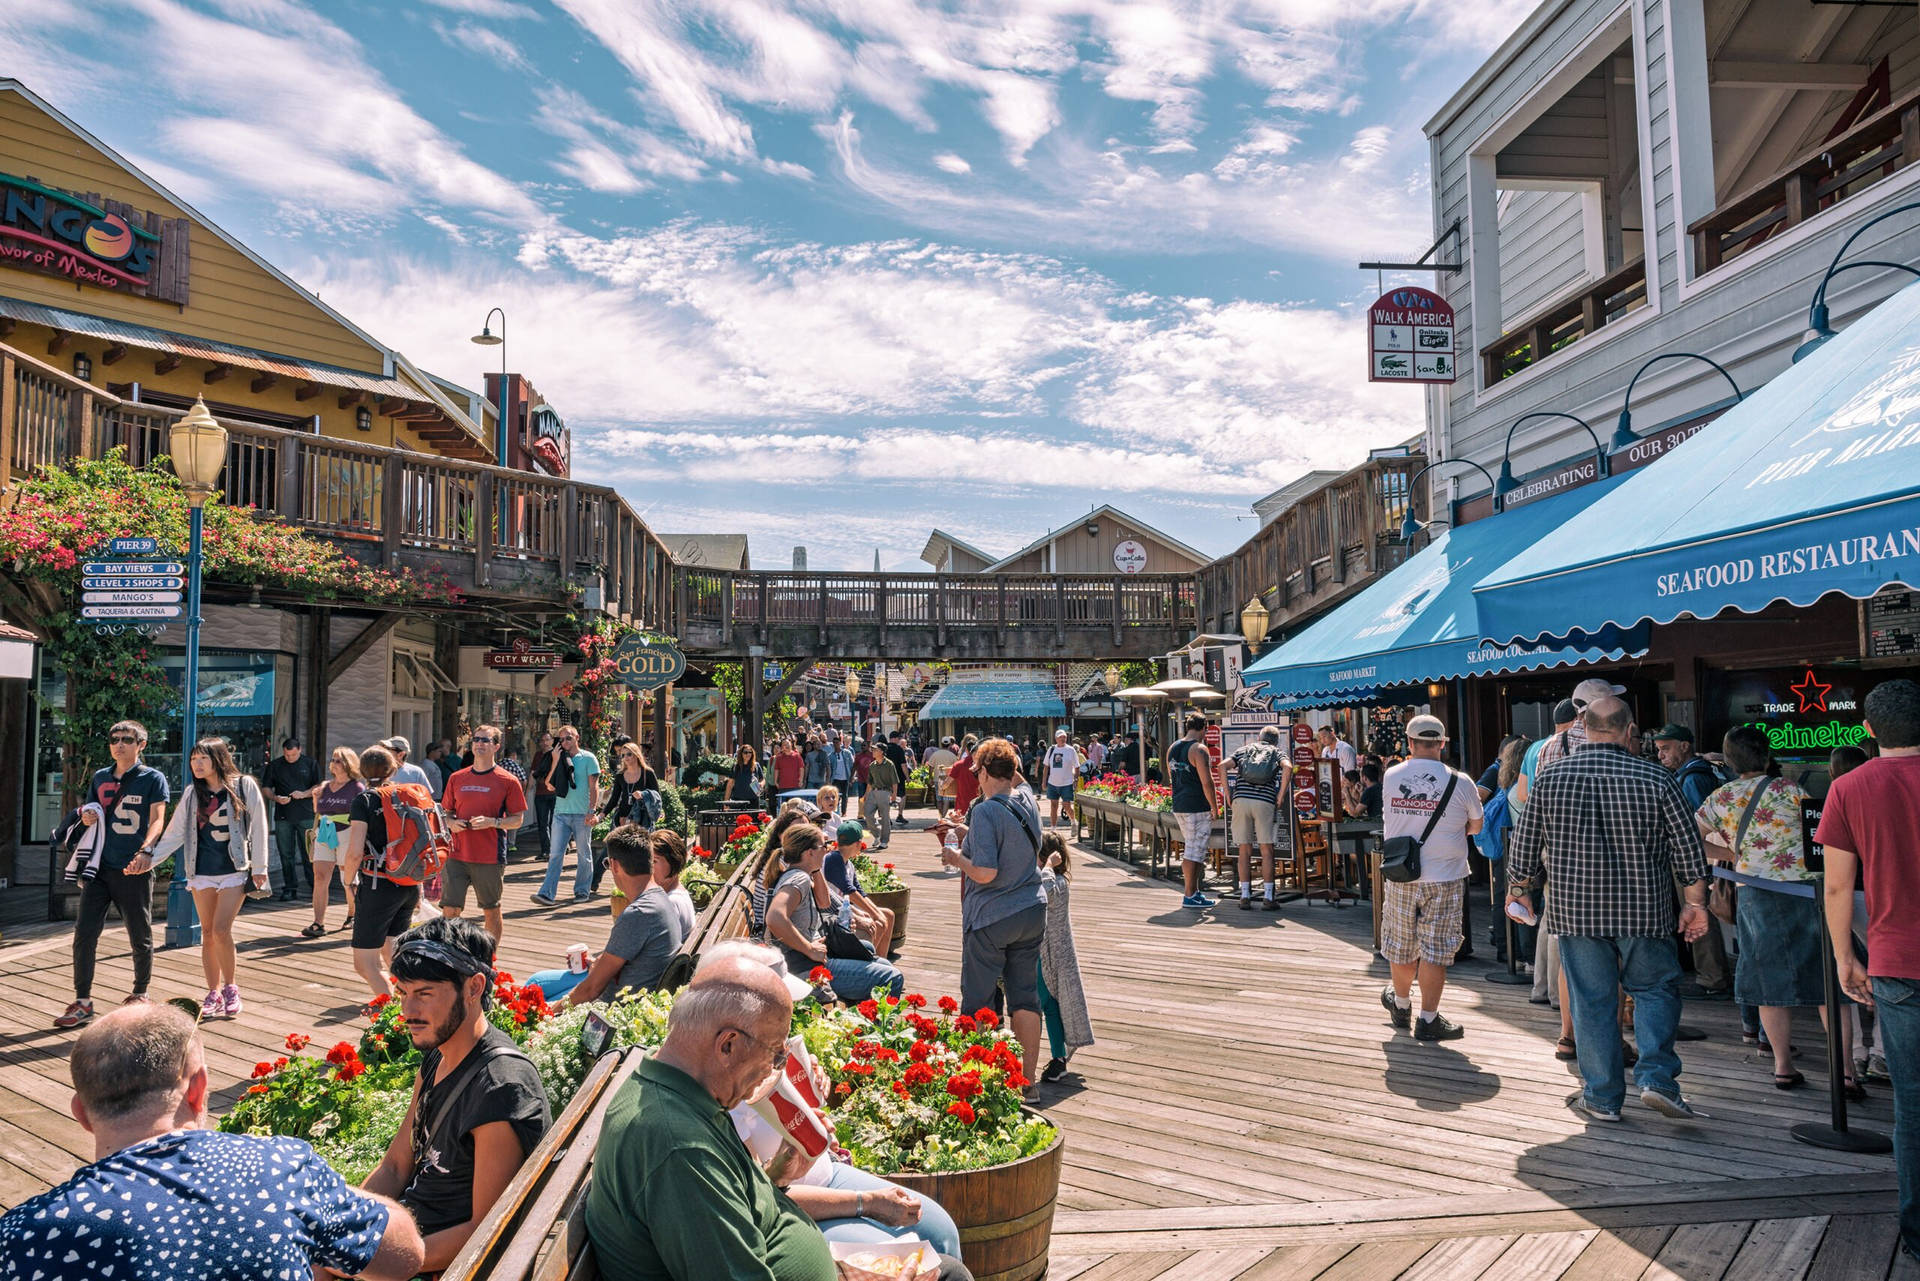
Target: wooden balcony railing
x=1566, y=322
x=1870, y=152
x=492, y=530
x=1316, y=551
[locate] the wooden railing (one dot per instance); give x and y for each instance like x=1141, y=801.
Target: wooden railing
x=491, y=529
x=1319, y=549
x=1869, y=152
x=1566, y=322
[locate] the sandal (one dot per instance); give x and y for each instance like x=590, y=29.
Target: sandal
x=1789, y=1080
x=1856, y=1092
x=1564, y=1050
x=313, y=931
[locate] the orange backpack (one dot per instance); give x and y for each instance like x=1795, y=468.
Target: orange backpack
x=418, y=843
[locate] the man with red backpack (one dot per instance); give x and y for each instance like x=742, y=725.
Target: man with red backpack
x=396, y=839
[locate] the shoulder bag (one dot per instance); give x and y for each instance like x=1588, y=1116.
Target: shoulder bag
x=1400, y=855
x=1723, y=894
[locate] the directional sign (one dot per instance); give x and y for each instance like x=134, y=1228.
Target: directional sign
x=133, y=567
x=133, y=582
x=95, y=613
x=133, y=546
x=130, y=598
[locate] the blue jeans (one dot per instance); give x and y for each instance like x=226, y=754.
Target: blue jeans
x=555, y=984
x=1596, y=970
x=935, y=1225
x=1056, y=1026
x=854, y=981
x=580, y=828
x=1896, y=1008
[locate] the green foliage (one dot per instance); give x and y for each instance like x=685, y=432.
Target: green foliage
x=731, y=680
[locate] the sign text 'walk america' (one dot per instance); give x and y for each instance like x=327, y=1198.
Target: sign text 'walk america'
x=1410, y=338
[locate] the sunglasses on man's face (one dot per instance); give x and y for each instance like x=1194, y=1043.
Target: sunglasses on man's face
x=483, y=738
x=118, y=739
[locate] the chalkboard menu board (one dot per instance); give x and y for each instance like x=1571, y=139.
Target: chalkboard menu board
x=1893, y=624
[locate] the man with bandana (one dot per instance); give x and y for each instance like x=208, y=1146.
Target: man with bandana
x=478, y=1104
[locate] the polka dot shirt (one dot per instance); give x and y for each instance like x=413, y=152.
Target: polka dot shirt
x=195, y=1203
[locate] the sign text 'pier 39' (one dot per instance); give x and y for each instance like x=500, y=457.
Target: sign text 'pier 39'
x=644, y=664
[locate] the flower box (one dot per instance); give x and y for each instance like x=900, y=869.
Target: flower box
x=895, y=901
x=1004, y=1212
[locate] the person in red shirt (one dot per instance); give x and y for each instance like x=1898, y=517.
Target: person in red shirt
x=789, y=768
x=1867, y=831
x=966, y=779
x=482, y=802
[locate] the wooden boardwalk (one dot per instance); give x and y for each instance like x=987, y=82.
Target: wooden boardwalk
x=1248, y=1112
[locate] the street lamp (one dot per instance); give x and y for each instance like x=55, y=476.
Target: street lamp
x=1410, y=526
x=1623, y=436
x=1507, y=484
x=487, y=338
x=198, y=446
x=1112, y=678
x=1253, y=622
x=1818, y=327
x=853, y=686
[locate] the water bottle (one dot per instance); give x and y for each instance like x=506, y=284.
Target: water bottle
x=949, y=844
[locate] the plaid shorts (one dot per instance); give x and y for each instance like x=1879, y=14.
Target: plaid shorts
x=1196, y=830
x=1420, y=921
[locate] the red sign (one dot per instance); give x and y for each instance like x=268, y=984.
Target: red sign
x=1302, y=732
x=1410, y=338
x=1303, y=755
x=521, y=656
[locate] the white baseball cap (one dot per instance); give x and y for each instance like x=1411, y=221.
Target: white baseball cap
x=1426, y=729
x=1594, y=688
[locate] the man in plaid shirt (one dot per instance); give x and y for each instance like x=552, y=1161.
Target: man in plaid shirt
x=1612, y=833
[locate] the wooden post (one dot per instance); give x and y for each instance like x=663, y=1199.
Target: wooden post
x=569, y=530
x=1910, y=136
x=940, y=609
x=392, y=511
x=726, y=611
x=880, y=609
x=823, y=610
x=1801, y=202
x=1118, y=602
x=9, y=410
x=319, y=646
x=755, y=673
x=760, y=590
x=483, y=506
x=291, y=502
x=1336, y=545
x=1059, y=611
x=80, y=433
x=662, y=747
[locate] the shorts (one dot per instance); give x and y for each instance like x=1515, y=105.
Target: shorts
x=1252, y=822
x=225, y=881
x=1195, y=831
x=318, y=848
x=381, y=910
x=1420, y=921
x=487, y=880
x=1060, y=791
x=1004, y=954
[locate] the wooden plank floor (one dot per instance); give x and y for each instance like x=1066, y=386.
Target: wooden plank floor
x=1248, y=1112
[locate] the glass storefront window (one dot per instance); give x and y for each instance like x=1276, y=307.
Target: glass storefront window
x=246, y=697
x=521, y=718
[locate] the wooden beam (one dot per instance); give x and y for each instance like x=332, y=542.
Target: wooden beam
x=7, y=324
x=340, y=664
x=350, y=398
x=389, y=408
x=1728, y=73
x=113, y=353
x=306, y=391
x=167, y=363
x=263, y=382
x=58, y=343
x=215, y=374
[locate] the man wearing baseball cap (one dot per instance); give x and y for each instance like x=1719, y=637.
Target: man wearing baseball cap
x=1420, y=920
x=1673, y=744
x=407, y=771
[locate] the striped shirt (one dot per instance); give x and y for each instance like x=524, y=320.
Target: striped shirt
x=1612, y=832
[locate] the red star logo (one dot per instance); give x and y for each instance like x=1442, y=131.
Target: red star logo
x=1813, y=694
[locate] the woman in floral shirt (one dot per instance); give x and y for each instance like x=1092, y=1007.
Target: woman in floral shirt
x=1751, y=827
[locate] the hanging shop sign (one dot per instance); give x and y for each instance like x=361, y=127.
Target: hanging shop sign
x=1582, y=471
x=1129, y=556
x=644, y=664
x=1654, y=446
x=115, y=592
x=1410, y=338
x=1893, y=624
x=522, y=656
x=102, y=243
x=1804, y=710
x=551, y=440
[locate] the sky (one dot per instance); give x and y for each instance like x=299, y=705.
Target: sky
x=831, y=272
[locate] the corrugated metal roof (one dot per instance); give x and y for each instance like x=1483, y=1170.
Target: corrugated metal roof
x=205, y=349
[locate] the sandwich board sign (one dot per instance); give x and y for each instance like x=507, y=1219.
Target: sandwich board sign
x=1410, y=338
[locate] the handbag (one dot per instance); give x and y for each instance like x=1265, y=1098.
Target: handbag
x=843, y=944
x=1400, y=855
x=1723, y=895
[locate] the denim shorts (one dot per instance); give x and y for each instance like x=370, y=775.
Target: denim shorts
x=1005, y=953
x=1059, y=791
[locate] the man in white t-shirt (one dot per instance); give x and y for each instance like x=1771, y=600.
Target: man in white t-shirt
x=1335, y=748
x=1420, y=920
x=939, y=763
x=1063, y=767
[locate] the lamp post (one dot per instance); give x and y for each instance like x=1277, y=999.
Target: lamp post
x=1112, y=679
x=1507, y=484
x=198, y=446
x=1623, y=436
x=853, y=693
x=1253, y=623
x=487, y=338
x=1409, y=526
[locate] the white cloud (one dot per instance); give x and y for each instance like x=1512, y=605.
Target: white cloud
x=951, y=163
x=500, y=9
x=485, y=42
x=606, y=156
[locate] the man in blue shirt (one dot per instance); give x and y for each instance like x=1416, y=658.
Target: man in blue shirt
x=127, y=802
x=573, y=815
x=167, y=1197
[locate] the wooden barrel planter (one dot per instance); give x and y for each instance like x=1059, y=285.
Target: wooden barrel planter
x=1004, y=1212
x=895, y=901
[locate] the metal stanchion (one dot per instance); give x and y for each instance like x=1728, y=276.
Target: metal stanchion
x=1836, y=1135
x=1511, y=976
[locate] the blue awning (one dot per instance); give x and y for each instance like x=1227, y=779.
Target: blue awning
x=1418, y=622
x=1809, y=486
x=989, y=700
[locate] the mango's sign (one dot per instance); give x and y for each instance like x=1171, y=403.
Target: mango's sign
x=91, y=240
x=644, y=665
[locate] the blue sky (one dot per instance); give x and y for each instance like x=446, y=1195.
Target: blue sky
x=831, y=272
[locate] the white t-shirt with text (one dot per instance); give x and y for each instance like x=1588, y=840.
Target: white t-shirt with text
x=1341, y=750
x=1063, y=764
x=1409, y=794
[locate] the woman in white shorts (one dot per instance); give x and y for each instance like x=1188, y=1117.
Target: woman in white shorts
x=220, y=829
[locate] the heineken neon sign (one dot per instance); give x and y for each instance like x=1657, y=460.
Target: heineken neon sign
x=1788, y=737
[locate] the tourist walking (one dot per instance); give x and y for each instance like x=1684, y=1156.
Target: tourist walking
x=383, y=905
x=840, y=772
x=333, y=810
x=124, y=813
x=1063, y=998
x=485, y=806
x=876, y=806
x=219, y=831
x=1003, y=910
x=1194, y=807
x=1611, y=832
x=405, y=771
x=903, y=762
x=543, y=800
x=1257, y=774
x=939, y=763
x=1867, y=833
x=634, y=797
x=743, y=784
x=291, y=781
x=1751, y=828
x=1421, y=919
x=966, y=779
x=478, y=1105
x=140, y=1089
x=574, y=779
x=789, y=769
x=1062, y=771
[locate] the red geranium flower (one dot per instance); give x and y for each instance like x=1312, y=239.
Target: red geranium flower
x=347, y=1071
x=964, y=1085
x=1017, y=1080
x=918, y=1053
x=948, y=1004
x=379, y=1002
x=918, y=1074
x=966, y=1024
x=820, y=974
x=256, y=1089
x=900, y=1089
x=886, y=1055
x=297, y=1041
x=262, y=1069
x=962, y=1109
x=342, y=1053
x=986, y=1018
x=869, y=1009
x=916, y=1000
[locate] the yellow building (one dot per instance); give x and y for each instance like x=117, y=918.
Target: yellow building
x=106, y=273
